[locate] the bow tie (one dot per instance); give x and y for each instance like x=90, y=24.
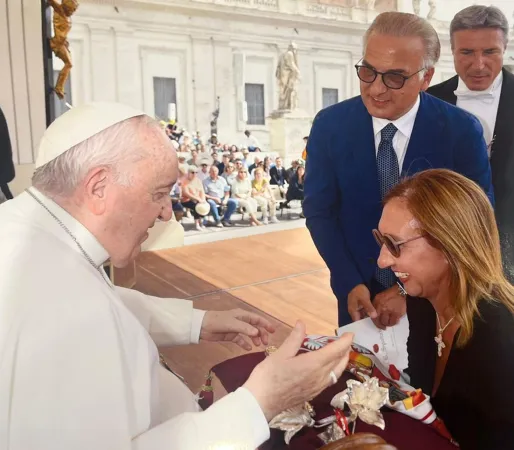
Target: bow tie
x=485, y=97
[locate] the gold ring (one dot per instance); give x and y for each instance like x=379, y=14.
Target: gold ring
x=271, y=349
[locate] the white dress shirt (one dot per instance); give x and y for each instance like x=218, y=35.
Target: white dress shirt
x=482, y=104
x=252, y=141
x=404, y=124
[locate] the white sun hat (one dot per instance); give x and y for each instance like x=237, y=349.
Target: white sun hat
x=202, y=208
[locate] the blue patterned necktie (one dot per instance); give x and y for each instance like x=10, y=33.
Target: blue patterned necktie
x=388, y=177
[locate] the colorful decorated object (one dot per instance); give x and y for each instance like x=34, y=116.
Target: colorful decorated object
x=206, y=395
x=364, y=400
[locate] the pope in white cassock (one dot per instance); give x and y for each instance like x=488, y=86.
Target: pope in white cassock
x=79, y=367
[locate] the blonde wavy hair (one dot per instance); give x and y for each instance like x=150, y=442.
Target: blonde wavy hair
x=457, y=218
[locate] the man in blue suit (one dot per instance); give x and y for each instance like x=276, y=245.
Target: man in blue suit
x=359, y=148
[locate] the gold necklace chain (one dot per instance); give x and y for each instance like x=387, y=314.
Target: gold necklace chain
x=439, y=338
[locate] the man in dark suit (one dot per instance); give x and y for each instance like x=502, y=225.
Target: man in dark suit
x=6, y=162
x=484, y=88
x=278, y=173
x=280, y=177
x=359, y=148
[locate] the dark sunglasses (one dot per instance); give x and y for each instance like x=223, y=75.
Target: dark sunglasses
x=392, y=80
x=391, y=244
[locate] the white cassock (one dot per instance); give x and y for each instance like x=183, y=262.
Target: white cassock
x=79, y=367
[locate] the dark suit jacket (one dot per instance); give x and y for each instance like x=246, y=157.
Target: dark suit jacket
x=6, y=162
x=475, y=374
x=295, y=191
x=502, y=160
x=342, y=196
x=275, y=178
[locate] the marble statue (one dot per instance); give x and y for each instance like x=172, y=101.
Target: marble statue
x=59, y=43
x=416, y=5
x=288, y=75
x=432, y=6
x=215, y=115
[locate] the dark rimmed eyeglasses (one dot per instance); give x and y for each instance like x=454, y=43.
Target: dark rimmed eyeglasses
x=393, y=80
x=392, y=245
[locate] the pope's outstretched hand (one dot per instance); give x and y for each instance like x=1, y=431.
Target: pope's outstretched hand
x=236, y=325
x=284, y=380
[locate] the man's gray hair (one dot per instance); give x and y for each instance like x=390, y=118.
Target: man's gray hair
x=114, y=148
x=408, y=25
x=479, y=16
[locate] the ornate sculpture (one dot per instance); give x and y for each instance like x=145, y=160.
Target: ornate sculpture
x=215, y=115
x=370, y=4
x=432, y=6
x=288, y=74
x=416, y=5
x=59, y=43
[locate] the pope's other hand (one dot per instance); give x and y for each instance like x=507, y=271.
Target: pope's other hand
x=236, y=325
x=285, y=379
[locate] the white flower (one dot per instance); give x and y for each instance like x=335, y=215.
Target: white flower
x=292, y=421
x=364, y=400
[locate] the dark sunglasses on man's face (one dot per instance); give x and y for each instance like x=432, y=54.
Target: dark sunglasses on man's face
x=393, y=80
x=391, y=244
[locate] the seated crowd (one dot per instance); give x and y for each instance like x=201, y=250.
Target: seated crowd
x=222, y=181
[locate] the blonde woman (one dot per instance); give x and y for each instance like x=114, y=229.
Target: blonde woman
x=266, y=167
x=261, y=192
x=242, y=192
x=192, y=194
x=229, y=173
x=176, y=193
x=439, y=236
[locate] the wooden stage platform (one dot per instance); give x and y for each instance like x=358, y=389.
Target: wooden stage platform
x=280, y=275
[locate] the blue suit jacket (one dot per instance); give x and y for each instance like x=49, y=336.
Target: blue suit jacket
x=342, y=197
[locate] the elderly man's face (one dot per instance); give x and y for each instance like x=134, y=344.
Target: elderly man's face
x=478, y=56
x=213, y=172
x=402, y=55
x=422, y=268
x=130, y=210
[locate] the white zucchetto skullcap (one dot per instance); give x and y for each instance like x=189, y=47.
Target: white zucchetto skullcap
x=78, y=124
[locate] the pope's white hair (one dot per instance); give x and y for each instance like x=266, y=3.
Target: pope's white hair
x=114, y=148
